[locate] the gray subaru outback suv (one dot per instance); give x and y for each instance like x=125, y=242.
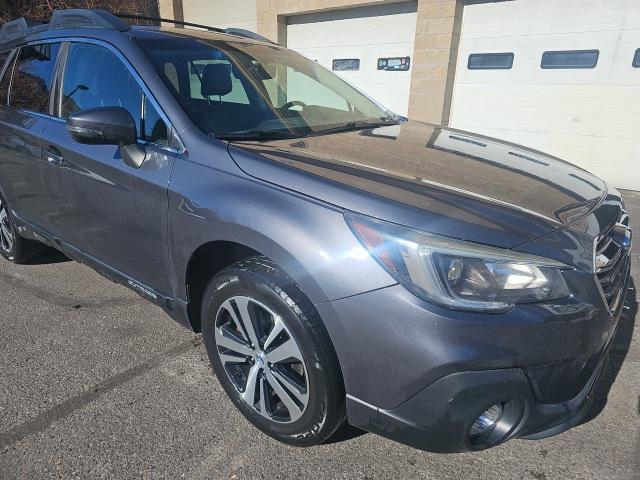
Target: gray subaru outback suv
x=444, y=289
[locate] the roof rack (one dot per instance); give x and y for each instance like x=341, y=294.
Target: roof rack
x=61, y=19
x=168, y=20
x=239, y=32
x=14, y=29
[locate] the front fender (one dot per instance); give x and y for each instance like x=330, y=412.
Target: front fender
x=309, y=240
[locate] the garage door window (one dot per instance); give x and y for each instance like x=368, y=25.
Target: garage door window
x=570, y=59
x=636, y=59
x=346, y=65
x=490, y=61
x=394, y=64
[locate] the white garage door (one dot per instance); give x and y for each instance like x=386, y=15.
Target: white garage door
x=588, y=116
x=352, y=42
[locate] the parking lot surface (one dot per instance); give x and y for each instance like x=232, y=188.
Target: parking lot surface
x=97, y=383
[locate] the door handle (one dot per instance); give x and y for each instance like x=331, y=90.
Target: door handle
x=53, y=156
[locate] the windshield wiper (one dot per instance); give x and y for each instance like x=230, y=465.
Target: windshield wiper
x=255, y=135
x=357, y=125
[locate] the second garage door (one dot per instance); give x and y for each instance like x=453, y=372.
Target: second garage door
x=370, y=47
x=561, y=76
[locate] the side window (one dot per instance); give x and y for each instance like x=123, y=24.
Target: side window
x=6, y=79
x=154, y=129
x=31, y=84
x=636, y=59
x=3, y=59
x=197, y=72
x=94, y=77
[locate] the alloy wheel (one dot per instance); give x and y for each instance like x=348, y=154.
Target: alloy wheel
x=262, y=359
x=7, y=235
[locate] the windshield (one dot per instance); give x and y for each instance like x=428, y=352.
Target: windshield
x=244, y=90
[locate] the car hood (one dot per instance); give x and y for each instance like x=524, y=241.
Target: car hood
x=437, y=179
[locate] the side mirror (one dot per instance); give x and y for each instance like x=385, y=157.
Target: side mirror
x=108, y=126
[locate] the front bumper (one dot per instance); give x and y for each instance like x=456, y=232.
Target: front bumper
x=421, y=375
x=438, y=418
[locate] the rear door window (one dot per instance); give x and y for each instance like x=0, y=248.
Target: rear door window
x=3, y=59
x=32, y=77
x=6, y=78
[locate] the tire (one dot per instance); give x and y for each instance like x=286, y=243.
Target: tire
x=12, y=246
x=315, y=408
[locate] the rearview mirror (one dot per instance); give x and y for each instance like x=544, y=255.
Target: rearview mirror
x=108, y=126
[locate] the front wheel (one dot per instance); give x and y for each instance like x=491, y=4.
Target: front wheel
x=272, y=354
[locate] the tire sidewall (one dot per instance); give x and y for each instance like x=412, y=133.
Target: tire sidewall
x=250, y=284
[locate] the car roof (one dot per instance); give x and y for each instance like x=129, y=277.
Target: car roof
x=145, y=32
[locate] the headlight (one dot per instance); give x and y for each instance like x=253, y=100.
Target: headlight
x=457, y=274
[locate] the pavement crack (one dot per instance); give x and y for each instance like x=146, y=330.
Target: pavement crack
x=45, y=419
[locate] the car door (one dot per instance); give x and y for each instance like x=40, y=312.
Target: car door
x=107, y=210
x=24, y=116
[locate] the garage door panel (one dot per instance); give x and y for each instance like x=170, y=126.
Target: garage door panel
x=587, y=116
x=544, y=17
x=367, y=34
x=222, y=13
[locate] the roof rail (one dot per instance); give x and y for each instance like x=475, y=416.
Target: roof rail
x=71, y=18
x=168, y=20
x=239, y=32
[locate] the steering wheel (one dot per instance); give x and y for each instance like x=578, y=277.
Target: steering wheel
x=293, y=103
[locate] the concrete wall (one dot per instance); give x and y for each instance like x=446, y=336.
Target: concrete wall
x=222, y=13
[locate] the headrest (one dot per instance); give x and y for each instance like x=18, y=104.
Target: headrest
x=216, y=80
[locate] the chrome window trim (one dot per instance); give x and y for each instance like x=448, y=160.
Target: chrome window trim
x=146, y=92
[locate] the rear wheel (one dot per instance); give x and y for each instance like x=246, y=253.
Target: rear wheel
x=12, y=246
x=272, y=354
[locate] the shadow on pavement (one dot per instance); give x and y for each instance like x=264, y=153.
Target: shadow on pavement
x=48, y=256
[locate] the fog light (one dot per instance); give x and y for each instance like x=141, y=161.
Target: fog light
x=485, y=422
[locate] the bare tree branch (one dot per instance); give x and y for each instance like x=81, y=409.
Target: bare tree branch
x=42, y=10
